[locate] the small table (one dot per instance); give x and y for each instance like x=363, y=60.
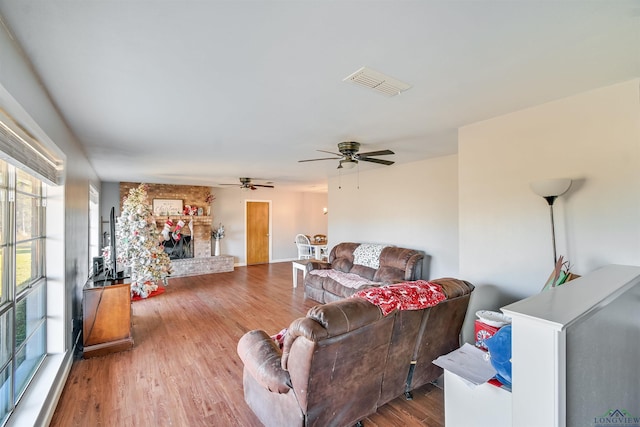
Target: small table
x=318, y=247
x=300, y=264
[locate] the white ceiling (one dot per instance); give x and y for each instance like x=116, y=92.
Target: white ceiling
x=203, y=92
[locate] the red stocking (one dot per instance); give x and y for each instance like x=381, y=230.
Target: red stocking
x=176, y=232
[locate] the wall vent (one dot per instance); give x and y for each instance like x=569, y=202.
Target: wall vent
x=377, y=81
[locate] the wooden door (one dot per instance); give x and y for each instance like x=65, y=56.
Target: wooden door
x=257, y=232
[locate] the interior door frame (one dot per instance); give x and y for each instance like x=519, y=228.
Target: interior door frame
x=246, y=236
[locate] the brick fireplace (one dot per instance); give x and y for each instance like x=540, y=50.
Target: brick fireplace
x=202, y=261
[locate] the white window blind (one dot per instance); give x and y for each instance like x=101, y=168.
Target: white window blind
x=20, y=148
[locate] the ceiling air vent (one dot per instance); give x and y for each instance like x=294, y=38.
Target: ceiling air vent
x=377, y=81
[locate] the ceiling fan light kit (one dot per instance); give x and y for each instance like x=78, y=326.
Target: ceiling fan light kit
x=347, y=164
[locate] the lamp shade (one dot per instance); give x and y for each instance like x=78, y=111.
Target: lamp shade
x=551, y=187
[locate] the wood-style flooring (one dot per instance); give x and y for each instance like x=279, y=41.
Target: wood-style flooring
x=184, y=369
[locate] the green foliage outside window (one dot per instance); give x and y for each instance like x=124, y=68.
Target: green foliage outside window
x=23, y=291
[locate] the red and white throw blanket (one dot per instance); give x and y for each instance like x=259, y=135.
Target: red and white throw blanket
x=404, y=296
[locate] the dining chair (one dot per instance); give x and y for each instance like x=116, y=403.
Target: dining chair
x=305, y=250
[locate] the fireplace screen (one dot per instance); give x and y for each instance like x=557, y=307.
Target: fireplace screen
x=179, y=249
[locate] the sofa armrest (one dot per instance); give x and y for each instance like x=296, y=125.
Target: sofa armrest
x=318, y=265
x=262, y=358
x=454, y=288
x=302, y=327
x=414, y=267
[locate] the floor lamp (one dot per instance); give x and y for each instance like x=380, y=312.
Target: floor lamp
x=550, y=189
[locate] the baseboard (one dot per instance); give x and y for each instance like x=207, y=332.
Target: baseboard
x=283, y=260
x=273, y=261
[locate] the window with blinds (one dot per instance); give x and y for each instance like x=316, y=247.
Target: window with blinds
x=23, y=283
x=28, y=167
x=19, y=147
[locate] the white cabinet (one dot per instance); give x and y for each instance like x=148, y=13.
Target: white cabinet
x=575, y=350
x=468, y=406
x=574, y=359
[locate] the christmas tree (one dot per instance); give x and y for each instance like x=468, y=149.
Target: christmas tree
x=138, y=243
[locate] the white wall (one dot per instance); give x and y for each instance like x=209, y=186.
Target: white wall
x=291, y=213
x=67, y=230
x=109, y=198
x=18, y=79
x=412, y=205
x=505, y=232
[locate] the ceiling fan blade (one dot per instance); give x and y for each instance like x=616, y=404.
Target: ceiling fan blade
x=382, y=162
x=349, y=153
x=231, y=184
x=261, y=185
x=330, y=152
x=324, y=158
x=377, y=153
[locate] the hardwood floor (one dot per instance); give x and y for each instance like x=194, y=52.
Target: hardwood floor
x=184, y=369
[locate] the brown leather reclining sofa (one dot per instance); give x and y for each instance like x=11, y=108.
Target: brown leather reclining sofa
x=395, y=265
x=345, y=359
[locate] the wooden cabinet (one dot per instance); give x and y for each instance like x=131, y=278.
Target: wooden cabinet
x=106, y=317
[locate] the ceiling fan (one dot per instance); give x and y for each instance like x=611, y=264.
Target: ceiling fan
x=246, y=184
x=349, y=156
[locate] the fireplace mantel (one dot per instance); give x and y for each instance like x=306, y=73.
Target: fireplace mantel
x=201, y=220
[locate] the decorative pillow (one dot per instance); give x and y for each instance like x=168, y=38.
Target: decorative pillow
x=368, y=254
x=404, y=296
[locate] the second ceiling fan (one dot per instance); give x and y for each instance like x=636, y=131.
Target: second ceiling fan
x=246, y=184
x=349, y=156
